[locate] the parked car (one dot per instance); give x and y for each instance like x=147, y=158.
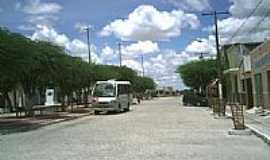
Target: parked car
x=191, y=98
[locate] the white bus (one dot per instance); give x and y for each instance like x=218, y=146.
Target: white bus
x=111, y=95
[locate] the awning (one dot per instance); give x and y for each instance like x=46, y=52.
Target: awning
x=231, y=70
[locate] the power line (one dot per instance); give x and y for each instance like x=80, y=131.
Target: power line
x=244, y=22
x=260, y=22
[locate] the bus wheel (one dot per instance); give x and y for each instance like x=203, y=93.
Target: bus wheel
x=128, y=108
x=120, y=108
x=96, y=112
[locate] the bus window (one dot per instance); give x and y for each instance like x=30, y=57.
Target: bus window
x=104, y=90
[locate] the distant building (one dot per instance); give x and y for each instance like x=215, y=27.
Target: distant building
x=165, y=91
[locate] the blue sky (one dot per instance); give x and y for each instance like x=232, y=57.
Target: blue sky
x=100, y=13
x=162, y=30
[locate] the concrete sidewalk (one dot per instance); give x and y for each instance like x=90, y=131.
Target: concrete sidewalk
x=259, y=124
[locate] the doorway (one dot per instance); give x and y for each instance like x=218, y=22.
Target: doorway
x=249, y=93
x=268, y=94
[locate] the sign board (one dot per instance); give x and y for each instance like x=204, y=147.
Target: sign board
x=49, y=97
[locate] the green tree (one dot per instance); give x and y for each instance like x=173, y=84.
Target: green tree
x=141, y=84
x=37, y=65
x=196, y=74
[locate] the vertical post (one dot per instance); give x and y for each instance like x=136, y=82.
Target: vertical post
x=219, y=65
x=218, y=59
x=88, y=44
x=142, y=63
x=120, y=54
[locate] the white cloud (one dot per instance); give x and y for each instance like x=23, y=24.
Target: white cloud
x=38, y=13
x=163, y=66
x=27, y=27
x=251, y=31
x=202, y=45
x=47, y=20
x=198, y=5
x=38, y=7
x=75, y=47
x=109, y=56
x=139, y=48
x=82, y=26
x=254, y=29
x=148, y=23
x=243, y=8
x=46, y=33
x=136, y=65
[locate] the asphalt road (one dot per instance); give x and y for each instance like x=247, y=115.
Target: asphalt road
x=158, y=130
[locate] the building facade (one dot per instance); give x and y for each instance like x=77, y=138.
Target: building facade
x=237, y=73
x=260, y=64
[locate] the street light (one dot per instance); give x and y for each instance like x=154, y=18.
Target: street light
x=88, y=30
x=201, y=57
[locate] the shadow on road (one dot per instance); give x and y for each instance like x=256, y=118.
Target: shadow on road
x=10, y=125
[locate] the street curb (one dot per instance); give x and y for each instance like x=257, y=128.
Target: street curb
x=256, y=132
x=259, y=134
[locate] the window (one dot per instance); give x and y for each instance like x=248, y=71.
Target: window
x=259, y=89
x=123, y=89
x=104, y=90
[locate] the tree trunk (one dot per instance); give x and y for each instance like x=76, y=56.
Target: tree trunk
x=8, y=104
x=85, y=97
x=29, y=104
x=63, y=104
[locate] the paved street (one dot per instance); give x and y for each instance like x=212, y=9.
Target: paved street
x=158, y=129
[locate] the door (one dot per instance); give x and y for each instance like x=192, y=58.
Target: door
x=259, y=90
x=249, y=93
x=123, y=95
x=268, y=94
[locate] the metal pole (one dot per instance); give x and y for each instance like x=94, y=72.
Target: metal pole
x=120, y=54
x=89, y=45
x=142, y=63
x=215, y=13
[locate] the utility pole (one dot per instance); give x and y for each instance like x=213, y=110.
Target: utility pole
x=142, y=63
x=88, y=30
x=120, y=53
x=219, y=65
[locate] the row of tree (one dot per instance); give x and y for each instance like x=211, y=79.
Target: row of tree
x=37, y=65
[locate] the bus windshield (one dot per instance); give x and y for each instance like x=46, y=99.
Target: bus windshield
x=104, y=90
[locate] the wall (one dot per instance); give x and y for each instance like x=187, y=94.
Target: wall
x=260, y=60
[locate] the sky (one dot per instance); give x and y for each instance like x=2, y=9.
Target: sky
x=167, y=33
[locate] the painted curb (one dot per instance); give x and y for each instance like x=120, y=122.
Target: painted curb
x=258, y=133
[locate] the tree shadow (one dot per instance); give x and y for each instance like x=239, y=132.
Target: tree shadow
x=10, y=125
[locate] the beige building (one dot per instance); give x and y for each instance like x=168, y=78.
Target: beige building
x=260, y=64
x=237, y=73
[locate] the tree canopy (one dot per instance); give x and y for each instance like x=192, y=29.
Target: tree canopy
x=196, y=74
x=35, y=65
